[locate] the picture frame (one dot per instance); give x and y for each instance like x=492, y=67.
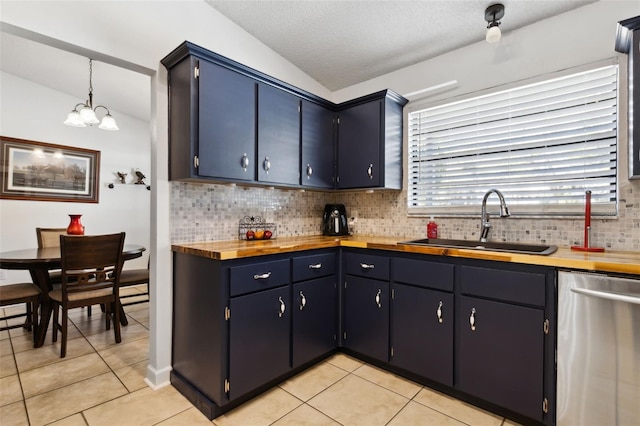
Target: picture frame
x=41, y=171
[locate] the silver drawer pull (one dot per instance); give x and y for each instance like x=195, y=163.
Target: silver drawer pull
x=370, y=171
x=439, y=312
x=262, y=276
x=316, y=266
x=309, y=171
x=367, y=266
x=472, y=319
x=266, y=165
x=378, y=301
x=303, y=301
x=282, y=307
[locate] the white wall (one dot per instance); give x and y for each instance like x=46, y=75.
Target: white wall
x=124, y=208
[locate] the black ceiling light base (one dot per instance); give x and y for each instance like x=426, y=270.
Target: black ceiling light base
x=494, y=13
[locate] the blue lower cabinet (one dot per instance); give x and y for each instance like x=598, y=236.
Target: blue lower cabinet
x=422, y=332
x=366, y=317
x=259, y=330
x=314, y=319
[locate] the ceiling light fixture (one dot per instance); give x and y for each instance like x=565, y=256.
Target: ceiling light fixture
x=492, y=15
x=87, y=114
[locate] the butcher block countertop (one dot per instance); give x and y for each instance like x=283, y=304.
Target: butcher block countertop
x=624, y=262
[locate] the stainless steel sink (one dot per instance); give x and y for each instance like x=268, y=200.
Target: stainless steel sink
x=489, y=245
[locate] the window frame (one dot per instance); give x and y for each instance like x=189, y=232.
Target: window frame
x=608, y=211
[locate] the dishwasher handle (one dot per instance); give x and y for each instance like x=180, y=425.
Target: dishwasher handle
x=608, y=295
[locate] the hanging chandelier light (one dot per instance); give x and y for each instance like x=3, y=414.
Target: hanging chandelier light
x=87, y=113
x=492, y=15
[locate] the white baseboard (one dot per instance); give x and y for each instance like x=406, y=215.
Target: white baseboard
x=157, y=379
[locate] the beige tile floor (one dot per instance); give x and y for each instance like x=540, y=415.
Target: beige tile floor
x=101, y=383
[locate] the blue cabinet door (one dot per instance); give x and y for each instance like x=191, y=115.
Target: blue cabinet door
x=422, y=332
x=359, y=146
x=278, y=136
x=259, y=332
x=318, y=146
x=226, y=119
x=314, y=319
x=366, y=317
x=500, y=354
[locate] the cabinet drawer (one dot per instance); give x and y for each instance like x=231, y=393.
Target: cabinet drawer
x=258, y=276
x=422, y=273
x=511, y=286
x=366, y=265
x=314, y=266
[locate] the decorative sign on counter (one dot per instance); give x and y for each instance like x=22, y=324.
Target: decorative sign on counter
x=255, y=228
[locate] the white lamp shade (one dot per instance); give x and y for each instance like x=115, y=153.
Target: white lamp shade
x=88, y=115
x=493, y=34
x=108, y=123
x=73, y=119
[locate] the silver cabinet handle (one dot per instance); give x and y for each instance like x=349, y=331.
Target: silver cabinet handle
x=309, y=171
x=472, y=319
x=370, y=171
x=303, y=301
x=439, y=312
x=262, y=276
x=266, y=164
x=244, y=162
x=378, y=301
x=367, y=266
x=316, y=266
x=282, y=307
x=196, y=161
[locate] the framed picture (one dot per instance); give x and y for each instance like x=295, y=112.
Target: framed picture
x=42, y=171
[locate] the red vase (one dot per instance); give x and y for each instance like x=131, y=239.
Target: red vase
x=75, y=227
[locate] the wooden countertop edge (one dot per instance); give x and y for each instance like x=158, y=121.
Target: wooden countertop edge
x=611, y=261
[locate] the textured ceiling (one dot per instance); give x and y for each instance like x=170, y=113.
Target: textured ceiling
x=339, y=43
x=343, y=42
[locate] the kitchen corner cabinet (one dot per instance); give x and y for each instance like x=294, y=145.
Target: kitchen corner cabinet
x=370, y=142
x=422, y=318
x=366, y=305
x=314, y=306
x=318, y=149
x=278, y=136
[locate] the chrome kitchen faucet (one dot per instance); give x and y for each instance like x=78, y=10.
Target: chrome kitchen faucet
x=485, y=223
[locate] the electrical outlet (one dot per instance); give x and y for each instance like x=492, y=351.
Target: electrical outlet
x=354, y=215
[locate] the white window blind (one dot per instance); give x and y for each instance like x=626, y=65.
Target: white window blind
x=542, y=145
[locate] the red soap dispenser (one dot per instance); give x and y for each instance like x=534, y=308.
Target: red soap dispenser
x=432, y=229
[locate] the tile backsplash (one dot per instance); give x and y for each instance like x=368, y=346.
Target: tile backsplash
x=205, y=212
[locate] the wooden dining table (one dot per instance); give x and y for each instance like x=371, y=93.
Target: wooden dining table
x=39, y=261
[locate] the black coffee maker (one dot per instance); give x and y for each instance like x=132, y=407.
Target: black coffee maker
x=334, y=220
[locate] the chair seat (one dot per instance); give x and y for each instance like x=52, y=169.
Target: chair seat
x=133, y=277
x=56, y=294
x=17, y=293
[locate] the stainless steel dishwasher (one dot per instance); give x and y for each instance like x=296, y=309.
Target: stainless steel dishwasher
x=598, y=350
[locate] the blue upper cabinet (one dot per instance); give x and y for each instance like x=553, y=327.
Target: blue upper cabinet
x=370, y=142
x=231, y=123
x=226, y=117
x=318, y=149
x=278, y=136
x=628, y=41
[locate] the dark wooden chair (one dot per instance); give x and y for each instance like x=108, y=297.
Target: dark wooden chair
x=133, y=277
x=91, y=267
x=50, y=237
x=28, y=293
